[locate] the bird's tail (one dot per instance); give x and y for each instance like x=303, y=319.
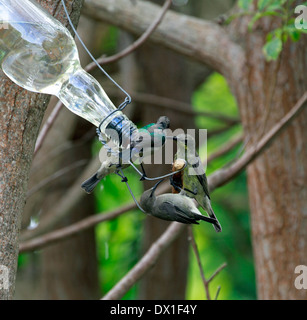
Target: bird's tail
x=90, y=184
x=216, y=224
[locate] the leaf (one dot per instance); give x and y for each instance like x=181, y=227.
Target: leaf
x=244, y=4
x=272, y=48
x=291, y=31
x=295, y=35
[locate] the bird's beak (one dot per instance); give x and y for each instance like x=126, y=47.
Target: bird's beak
x=155, y=187
x=152, y=192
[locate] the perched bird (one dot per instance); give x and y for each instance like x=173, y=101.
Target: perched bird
x=172, y=207
x=148, y=139
x=192, y=181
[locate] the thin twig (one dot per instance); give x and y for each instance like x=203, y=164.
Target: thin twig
x=104, y=60
x=173, y=104
x=47, y=126
x=196, y=252
x=66, y=232
x=206, y=282
x=217, y=292
x=225, y=148
x=56, y=175
x=216, y=272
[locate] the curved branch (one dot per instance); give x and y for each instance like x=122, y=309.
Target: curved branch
x=66, y=232
x=146, y=262
x=175, y=105
x=136, y=44
x=67, y=202
x=198, y=39
x=47, y=126
x=224, y=175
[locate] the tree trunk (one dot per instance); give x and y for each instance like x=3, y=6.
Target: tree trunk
x=67, y=270
x=20, y=118
x=276, y=179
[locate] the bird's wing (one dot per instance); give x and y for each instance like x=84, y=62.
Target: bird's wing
x=175, y=213
x=201, y=176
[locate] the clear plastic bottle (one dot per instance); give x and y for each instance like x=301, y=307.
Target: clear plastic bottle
x=39, y=54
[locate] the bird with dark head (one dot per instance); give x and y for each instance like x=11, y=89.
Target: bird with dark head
x=192, y=181
x=149, y=138
x=172, y=207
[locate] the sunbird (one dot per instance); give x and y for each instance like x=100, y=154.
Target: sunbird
x=172, y=207
x=191, y=181
x=150, y=138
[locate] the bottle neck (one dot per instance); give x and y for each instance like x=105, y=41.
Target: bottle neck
x=83, y=95
x=120, y=129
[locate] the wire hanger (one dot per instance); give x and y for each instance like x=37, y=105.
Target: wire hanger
x=128, y=97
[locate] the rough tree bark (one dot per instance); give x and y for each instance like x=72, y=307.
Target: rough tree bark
x=21, y=113
x=265, y=91
x=277, y=179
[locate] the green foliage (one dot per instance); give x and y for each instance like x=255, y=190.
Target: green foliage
x=272, y=48
x=275, y=39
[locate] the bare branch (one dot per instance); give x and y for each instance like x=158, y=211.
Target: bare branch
x=172, y=104
x=226, y=148
x=56, y=175
x=216, y=272
x=196, y=252
x=66, y=232
x=47, y=126
x=64, y=205
x=136, y=44
x=224, y=175
x=146, y=262
x=208, y=44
